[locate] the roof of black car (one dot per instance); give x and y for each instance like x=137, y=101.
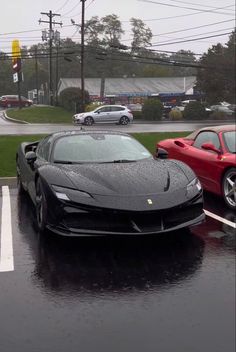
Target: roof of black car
x=83, y=131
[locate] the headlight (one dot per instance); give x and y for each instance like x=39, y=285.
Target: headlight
x=193, y=188
x=64, y=193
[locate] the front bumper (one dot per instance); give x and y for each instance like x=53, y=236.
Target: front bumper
x=91, y=221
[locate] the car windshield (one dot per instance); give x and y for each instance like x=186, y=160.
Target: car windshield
x=230, y=141
x=98, y=148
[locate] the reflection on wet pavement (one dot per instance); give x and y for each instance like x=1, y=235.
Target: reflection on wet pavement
x=111, y=265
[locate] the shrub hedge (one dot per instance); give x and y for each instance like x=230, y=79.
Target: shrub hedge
x=152, y=109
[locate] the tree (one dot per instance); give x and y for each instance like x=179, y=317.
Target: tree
x=185, y=57
x=93, y=30
x=71, y=98
x=217, y=77
x=6, y=80
x=112, y=30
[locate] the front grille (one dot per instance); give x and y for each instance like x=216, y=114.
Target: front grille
x=132, y=222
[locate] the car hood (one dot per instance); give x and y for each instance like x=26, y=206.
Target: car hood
x=133, y=178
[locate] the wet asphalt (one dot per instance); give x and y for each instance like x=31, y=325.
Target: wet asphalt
x=167, y=293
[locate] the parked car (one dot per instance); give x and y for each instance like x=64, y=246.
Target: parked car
x=106, y=113
x=8, y=101
x=106, y=183
x=211, y=153
x=134, y=107
x=222, y=108
x=232, y=107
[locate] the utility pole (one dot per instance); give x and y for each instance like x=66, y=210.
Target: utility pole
x=36, y=74
x=51, y=33
x=82, y=57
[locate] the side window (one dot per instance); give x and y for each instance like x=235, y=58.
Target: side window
x=117, y=108
x=206, y=137
x=44, y=148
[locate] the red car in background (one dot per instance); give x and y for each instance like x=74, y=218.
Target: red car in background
x=211, y=153
x=8, y=101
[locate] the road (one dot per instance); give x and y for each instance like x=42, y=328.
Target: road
x=10, y=128
x=161, y=293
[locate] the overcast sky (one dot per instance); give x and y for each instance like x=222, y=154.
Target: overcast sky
x=214, y=17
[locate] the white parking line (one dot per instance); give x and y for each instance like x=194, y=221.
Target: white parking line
x=6, y=253
x=219, y=218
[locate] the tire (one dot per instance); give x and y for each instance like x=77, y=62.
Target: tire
x=9, y=105
x=88, y=121
x=20, y=187
x=41, y=207
x=26, y=105
x=229, y=188
x=124, y=120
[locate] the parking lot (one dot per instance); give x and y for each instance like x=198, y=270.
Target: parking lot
x=174, y=292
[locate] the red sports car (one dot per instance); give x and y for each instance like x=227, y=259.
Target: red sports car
x=211, y=153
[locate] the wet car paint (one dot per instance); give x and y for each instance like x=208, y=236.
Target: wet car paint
x=149, y=293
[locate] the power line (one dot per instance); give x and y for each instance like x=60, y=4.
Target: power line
x=65, y=14
x=185, y=7
x=194, y=35
x=77, y=14
x=191, y=40
x=191, y=3
x=188, y=29
x=64, y=4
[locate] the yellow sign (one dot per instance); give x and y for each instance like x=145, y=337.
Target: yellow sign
x=16, y=53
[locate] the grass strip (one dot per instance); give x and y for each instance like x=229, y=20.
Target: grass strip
x=10, y=144
x=41, y=114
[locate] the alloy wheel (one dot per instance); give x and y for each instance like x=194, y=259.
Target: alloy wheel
x=229, y=188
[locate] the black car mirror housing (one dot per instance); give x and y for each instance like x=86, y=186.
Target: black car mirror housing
x=161, y=153
x=30, y=157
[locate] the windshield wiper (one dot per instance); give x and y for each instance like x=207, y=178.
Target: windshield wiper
x=66, y=162
x=122, y=161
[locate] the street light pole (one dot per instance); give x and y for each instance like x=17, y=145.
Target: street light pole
x=82, y=57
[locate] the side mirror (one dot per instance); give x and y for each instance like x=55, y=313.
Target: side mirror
x=210, y=146
x=161, y=153
x=30, y=157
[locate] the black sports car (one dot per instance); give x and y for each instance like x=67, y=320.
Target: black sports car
x=98, y=183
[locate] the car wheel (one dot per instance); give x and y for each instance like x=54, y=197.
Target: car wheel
x=88, y=121
x=9, y=105
x=41, y=207
x=229, y=188
x=26, y=105
x=20, y=187
x=124, y=120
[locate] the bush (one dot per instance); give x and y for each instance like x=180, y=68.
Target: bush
x=194, y=111
x=92, y=106
x=175, y=115
x=152, y=109
x=137, y=114
x=218, y=115
x=70, y=99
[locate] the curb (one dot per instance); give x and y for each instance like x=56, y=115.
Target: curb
x=8, y=181
x=13, y=120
